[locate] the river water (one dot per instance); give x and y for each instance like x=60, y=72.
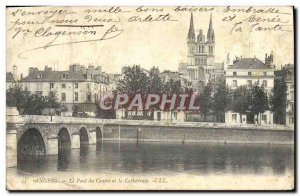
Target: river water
x=166, y=158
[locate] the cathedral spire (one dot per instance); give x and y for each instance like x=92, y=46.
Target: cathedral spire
x=210, y=32
x=191, y=35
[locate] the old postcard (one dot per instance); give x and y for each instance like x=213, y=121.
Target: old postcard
x=150, y=98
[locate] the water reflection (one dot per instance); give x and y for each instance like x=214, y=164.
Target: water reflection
x=99, y=145
x=63, y=160
x=167, y=158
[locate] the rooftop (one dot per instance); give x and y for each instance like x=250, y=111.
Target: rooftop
x=249, y=63
x=48, y=75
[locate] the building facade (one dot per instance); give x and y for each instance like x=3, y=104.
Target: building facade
x=247, y=72
x=290, y=105
x=77, y=89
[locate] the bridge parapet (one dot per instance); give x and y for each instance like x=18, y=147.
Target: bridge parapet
x=96, y=121
x=60, y=119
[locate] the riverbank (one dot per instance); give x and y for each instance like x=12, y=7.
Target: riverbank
x=193, y=134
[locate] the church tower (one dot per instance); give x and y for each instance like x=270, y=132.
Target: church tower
x=191, y=42
x=201, y=54
x=210, y=44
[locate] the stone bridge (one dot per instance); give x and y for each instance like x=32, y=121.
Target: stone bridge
x=47, y=138
x=46, y=135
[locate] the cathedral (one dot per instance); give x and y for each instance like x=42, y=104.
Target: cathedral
x=201, y=55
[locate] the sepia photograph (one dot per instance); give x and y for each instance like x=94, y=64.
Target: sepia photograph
x=150, y=98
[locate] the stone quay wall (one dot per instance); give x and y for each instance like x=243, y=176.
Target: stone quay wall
x=143, y=133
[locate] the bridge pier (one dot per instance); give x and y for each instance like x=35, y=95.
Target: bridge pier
x=52, y=148
x=75, y=140
x=13, y=122
x=11, y=147
x=93, y=137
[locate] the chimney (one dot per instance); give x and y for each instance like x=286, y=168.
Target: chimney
x=15, y=72
x=30, y=70
x=228, y=59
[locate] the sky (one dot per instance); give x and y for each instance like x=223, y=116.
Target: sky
x=161, y=44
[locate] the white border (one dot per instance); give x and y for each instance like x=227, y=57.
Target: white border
x=3, y=4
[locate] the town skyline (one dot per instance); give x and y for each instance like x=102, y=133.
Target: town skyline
x=125, y=49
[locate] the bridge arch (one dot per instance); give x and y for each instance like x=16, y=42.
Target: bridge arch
x=99, y=134
x=31, y=142
x=64, y=139
x=84, y=137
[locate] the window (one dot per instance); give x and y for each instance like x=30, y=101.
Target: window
x=175, y=115
x=292, y=95
x=64, y=76
x=234, y=118
x=292, y=107
x=210, y=49
x=291, y=120
x=63, y=85
x=249, y=82
x=88, y=85
x=265, y=83
x=51, y=85
x=265, y=73
x=96, y=97
x=76, y=85
x=264, y=118
x=249, y=73
x=234, y=83
x=292, y=86
x=88, y=97
x=63, y=96
x=39, y=76
x=76, y=96
x=234, y=73
x=191, y=49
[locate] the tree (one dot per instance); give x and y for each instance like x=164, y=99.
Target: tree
x=107, y=114
x=278, y=101
x=172, y=87
x=259, y=102
x=241, y=101
x=35, y=104
x=135, y=81
x=29, y=103
x=221, y=101
x=52, y=100
x=205, y=101
x=16, y=97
